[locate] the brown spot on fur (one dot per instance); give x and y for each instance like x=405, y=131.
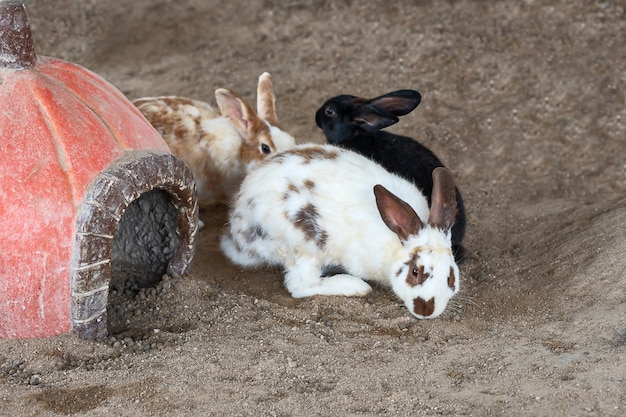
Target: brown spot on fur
x=451, y=279
x=306, y=220
x=294, y=189
x=173, y=102
x=423, y=307
x=254, y=233
x=399, y=271
x=178, y=102
x=415, y=252
x=416, y=275
x=313, y=153
x=167, y=116
x=291, y=189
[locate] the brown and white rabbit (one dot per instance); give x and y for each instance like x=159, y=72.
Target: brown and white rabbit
x=217, y=147
x=317, y=206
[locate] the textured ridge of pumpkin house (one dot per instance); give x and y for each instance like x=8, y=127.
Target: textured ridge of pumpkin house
x=75, y=154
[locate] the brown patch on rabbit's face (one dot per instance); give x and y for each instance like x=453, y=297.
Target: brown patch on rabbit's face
x=416, y=275
x=452, y=279
x=259, y=145
x=423, y=307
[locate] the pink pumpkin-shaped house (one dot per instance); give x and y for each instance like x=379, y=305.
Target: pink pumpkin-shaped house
x=75, y=155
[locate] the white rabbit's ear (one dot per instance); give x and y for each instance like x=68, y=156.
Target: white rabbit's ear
x=443, y=208
x=398, y=215
x=265, y=100
x=240, y=114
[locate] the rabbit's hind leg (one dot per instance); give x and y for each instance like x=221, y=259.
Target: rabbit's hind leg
x=303, y=279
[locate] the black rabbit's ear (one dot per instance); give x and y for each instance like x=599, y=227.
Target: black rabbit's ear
x=372, y=118
x=399, y=102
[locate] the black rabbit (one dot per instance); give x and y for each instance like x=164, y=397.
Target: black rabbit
x=355, y=123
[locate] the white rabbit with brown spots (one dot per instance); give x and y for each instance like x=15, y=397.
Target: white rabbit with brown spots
x=218, y=146
x=317, y=206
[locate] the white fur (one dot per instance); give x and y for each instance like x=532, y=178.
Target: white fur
x=262, y=230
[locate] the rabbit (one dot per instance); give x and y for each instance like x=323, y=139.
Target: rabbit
x=355, y=123
x=218, y=147
x=318, y=205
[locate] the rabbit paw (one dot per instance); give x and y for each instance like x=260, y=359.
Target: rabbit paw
x=341, y=284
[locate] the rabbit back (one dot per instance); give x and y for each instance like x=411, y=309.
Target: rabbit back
x=204, y=139
x=314, y=208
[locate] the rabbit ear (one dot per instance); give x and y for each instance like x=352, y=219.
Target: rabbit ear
x=398, y=102
x=372, y=118
x=443, y=208
x=265, y=99
x=240, y=114
x=396, y=213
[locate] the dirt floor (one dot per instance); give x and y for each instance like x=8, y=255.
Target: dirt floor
x=523, y=100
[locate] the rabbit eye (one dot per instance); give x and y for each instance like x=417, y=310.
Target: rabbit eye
x=265, y=149
x=418, y=276
x=330, y=112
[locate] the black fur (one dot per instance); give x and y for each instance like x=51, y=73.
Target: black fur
x=355, y=123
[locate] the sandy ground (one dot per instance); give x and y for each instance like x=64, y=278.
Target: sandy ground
x=523, y=100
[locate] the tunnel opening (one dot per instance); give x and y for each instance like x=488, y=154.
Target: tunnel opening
x=143, y=246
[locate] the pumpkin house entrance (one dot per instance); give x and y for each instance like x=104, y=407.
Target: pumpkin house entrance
x=137, y=222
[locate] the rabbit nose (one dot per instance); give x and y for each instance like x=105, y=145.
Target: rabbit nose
x=422, y=307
